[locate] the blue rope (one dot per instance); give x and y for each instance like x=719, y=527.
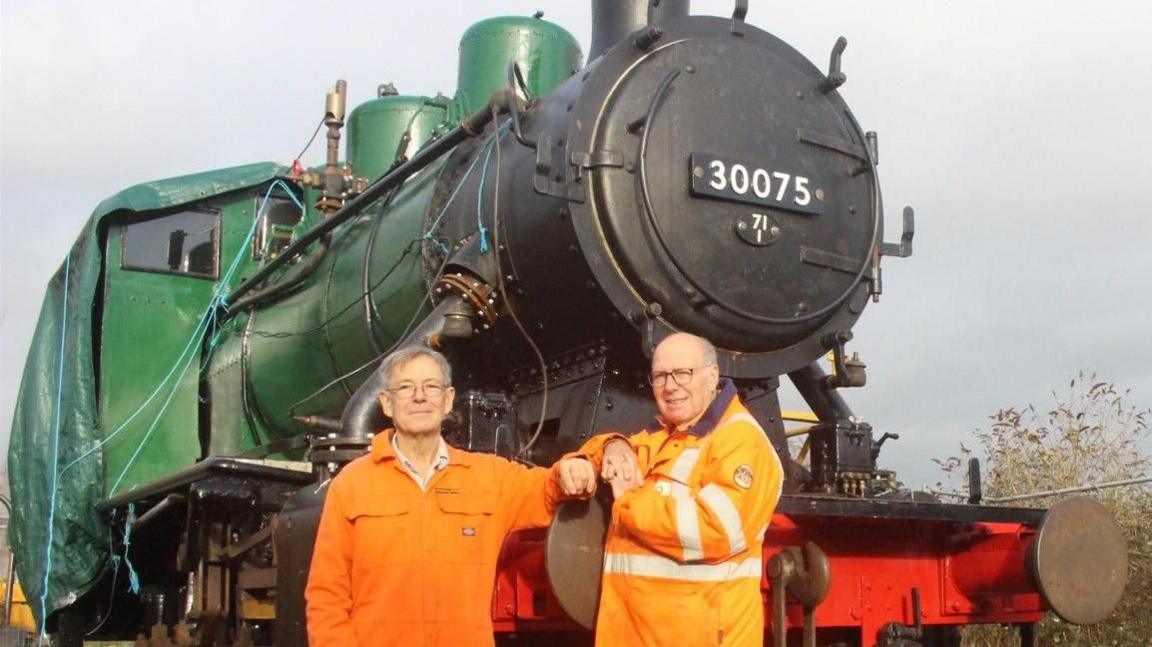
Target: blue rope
x=451, y=198
x=197, y=336
x=480, y=199
x=55, y=450
x=479, y=196
x=156, y=419
x=207, y=318
x=133, y=578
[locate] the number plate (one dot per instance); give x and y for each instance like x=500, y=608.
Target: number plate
x=729, y=179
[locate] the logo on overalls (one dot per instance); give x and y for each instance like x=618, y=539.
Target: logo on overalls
x=743, y=476
x=468, y=532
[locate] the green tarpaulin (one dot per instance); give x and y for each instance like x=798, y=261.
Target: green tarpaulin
x=56, y=418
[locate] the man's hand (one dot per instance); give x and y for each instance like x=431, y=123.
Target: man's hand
x=620, y=467
x=619, y=462
x=621, y=485
x=577, y=477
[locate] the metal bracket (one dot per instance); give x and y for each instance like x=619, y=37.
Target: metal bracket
x=739, y=12
x=402, y=147
x=806, y=574
x=822, y=258
x=544, y=157
x=647, y=37
x=833, y=143
x=596, y=159
x=975, y=487
x=549, y=160
x=895, y=634
x=850, y=372
x=582, y=162
x=516, y=82
x=646, y=317
x=835, y=77
x=904, y=248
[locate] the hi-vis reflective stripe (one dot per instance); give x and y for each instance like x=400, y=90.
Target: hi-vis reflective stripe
x=657, y=566
x=688, y=527
x=744, y=417
x=687, y=524
x=728, y=515
x=684, y=464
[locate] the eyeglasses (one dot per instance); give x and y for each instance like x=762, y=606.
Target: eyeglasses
x=681, y=376
x=431, y=390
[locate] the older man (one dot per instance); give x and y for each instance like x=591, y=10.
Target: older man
x=682, y=559
x=408, y=540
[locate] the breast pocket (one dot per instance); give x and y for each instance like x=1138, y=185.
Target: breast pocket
x=381, y=530
x=467, y=525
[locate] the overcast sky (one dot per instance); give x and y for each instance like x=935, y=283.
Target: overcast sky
x=1018, y=130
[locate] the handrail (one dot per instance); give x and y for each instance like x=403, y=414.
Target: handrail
x=11, y=577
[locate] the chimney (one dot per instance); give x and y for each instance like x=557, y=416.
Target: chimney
x=613, y=20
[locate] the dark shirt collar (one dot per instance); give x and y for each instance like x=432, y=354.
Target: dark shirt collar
x=714, y=412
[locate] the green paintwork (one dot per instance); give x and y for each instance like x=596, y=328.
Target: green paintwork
x=308, y=339
x=548, y=55
x=151, y=349
x=149, y=320
x=89, y=377
x=59, y=420
x=375, y=128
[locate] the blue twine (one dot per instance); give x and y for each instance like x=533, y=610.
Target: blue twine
x=451, y=198
x=185, y=357
x=207, y=319
x=480, y=198
x=133, y=578
x=111, y=592
x=151, y=428
x=55, y=450
x=459, y=185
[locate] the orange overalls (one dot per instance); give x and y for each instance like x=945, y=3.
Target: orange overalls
x=683, y=555
x=395, y=565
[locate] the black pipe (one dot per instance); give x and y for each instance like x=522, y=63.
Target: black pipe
x=825, y=403
x=277, y=290
x=470, y=126
x=156, y=510
x=614, y=20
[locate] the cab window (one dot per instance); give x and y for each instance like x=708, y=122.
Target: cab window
x=277, y=228
x=185, y=243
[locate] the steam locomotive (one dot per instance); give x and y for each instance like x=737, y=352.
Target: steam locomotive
x=202, y=365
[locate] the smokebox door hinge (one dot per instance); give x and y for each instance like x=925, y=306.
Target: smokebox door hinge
x=596, y=159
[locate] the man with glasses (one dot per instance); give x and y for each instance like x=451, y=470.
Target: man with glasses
x=409, y=536
x=693, y=498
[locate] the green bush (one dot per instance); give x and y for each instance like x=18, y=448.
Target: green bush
x=1090, y=436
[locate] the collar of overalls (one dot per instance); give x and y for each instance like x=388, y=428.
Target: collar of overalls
x=726, y=392
x=382, y=450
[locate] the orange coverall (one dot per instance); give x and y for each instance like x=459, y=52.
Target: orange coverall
x=683, y=554
x=395, y=565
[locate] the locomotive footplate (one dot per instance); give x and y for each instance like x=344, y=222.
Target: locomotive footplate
x=227, y=467
x=815, y=505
